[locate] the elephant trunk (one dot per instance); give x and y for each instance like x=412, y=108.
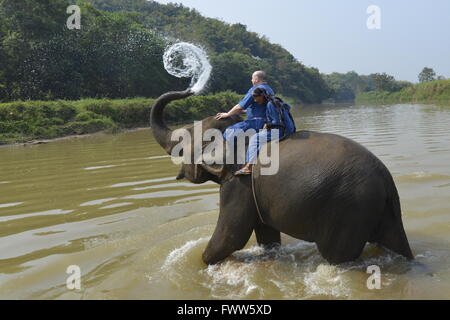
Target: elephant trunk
x=160, y=131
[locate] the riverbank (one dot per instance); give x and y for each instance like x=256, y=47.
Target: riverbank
x=34, y=122
x=434, y=92
x=71, y=137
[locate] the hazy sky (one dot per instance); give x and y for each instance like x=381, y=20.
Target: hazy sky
x=333, y=35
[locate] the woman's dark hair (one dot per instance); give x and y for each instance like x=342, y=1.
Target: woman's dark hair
x=260, y=92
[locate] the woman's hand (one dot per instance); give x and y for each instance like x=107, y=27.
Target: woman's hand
x=222, y=115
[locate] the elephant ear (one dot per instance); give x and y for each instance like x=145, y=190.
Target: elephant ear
x=210, y=166
x=217, y=170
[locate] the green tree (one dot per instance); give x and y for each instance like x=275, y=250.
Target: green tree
x=26, y=24
x=232, y=70
x=345, y=86
x=403, y=85
x=384, y=82
x=426, y=75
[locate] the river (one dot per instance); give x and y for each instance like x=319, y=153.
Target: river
x=110, y=205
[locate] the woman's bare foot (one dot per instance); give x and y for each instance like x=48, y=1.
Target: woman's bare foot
x=247, y=169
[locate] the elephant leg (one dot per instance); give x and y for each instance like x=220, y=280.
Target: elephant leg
x=236, y=221
x=267, y=236
x=345, y=235
x=336, y=253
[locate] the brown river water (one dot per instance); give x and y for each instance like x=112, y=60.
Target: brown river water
x=110, y=204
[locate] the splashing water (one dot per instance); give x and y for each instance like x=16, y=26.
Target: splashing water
x=184, y=60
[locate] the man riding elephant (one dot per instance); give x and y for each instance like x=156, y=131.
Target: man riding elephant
x=256, y=112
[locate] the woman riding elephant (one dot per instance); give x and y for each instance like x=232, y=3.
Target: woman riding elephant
x=279, y=124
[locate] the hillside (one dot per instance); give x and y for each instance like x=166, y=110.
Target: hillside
x=117, y=53
x=235, y=52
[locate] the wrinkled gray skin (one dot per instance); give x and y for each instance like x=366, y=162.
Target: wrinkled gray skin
x=329, y=190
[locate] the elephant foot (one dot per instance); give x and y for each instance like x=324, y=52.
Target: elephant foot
x=266, y=236
x=210, y=259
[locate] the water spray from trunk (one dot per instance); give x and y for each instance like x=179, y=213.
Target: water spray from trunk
x=185, y=60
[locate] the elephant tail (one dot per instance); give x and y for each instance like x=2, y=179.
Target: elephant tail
x=391, y=233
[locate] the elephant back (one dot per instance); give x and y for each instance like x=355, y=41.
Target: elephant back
x=314, y=169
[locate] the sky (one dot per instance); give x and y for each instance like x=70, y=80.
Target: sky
x=333, y=36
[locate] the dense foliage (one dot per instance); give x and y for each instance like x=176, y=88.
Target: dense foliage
x=118, y=51
x=235, y=52
x=346, y=86
x=111, y=56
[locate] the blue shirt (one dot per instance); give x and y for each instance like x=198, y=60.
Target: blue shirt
x=253, y=109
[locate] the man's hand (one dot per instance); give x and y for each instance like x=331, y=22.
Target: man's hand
x=222, y=115
x=236, y=110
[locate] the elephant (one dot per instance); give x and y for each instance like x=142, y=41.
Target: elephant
x=329, y=190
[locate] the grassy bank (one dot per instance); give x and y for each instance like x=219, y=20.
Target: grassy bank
x=437, y=92
x=23, y=121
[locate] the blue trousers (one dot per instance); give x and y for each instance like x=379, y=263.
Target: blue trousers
x=234, y=130
x=258, y=141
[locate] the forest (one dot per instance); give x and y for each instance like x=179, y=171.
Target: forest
x=117, y=52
